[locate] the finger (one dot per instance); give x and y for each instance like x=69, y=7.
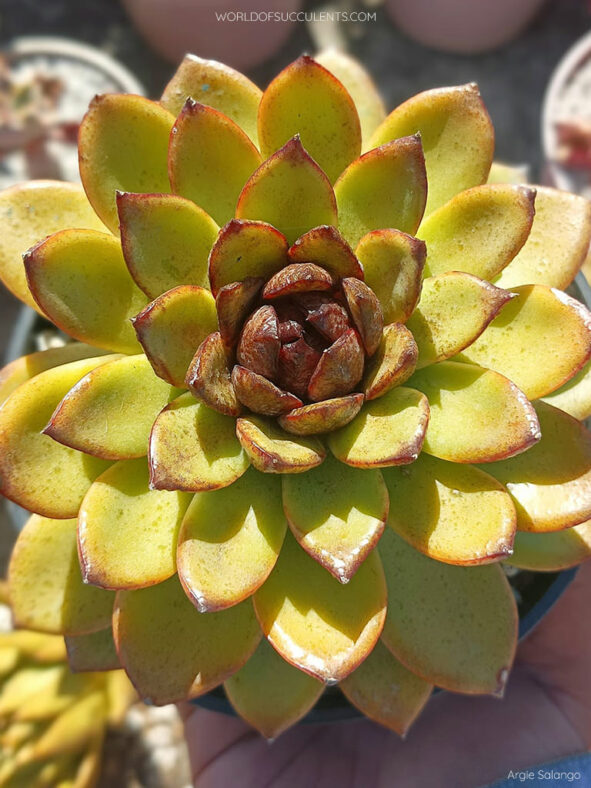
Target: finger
x=558, y=652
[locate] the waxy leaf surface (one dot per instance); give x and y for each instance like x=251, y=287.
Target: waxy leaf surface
x=230, y=540
x=317, y=624
x=455, y=626
x=127, y=533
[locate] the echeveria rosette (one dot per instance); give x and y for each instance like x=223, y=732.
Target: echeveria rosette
x=313, y=403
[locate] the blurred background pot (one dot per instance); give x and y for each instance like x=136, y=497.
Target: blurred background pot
x=463, y=26
x=176, y=27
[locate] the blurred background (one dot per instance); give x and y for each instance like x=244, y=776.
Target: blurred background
x=56, y=54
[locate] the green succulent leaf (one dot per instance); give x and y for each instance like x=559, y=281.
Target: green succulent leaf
x=550, y=483
x=307, y=99
x=385, y=691
x=270, y=694
x=386, y=187
x=326, y=247
x=573, y=397
x=93, y=652
x=557, y=244
x=194, y=448
x=477, y=415
x=246, y=249
x=457, y=136
x=337, y=514
x=80, y=280
x=172, y=327
x=289, y=191
x=26, y=367
x=451, y=512
x=478, y=231
x=30, y=212
x=319, y=625
x=171, y=651
x=230, y=540
x=455, y=626
x=393, y=362
x=47, y=592
x=217, y=86
x=393, y=266
x=539, y=323
x=61, y=475
x=454, y=309
x=166, y=241
x=271, y=450
x=388, y=431
x=109, y=412
x=210, y=159
x=552, y=552
x=360, y=86
x=123, y=146
x=128, y=533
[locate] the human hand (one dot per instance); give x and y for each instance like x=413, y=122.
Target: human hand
x=458, y=740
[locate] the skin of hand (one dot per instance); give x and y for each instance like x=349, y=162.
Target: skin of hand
x=457, y=741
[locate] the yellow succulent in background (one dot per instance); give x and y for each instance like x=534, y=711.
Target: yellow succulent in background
x=323, y=385
x=52, y=720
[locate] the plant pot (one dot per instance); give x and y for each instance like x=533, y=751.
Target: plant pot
x=567, y=99
x=463, y=26
x=179, y=26
x=535, y=592
x=48, y=149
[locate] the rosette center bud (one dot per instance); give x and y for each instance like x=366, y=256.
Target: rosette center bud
x=293, y=340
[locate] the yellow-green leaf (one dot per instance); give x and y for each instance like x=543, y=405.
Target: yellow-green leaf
x=194, y=448
x=230, y=540
x=541, y=340
x=166, y=241
x=361, y=88
x=393, y=266
x=28, y=213
x=123, y=145
x=477, y=415
x=557, y=244
x=80, y=280
x=457, y=136
x=47, y=592
x=454, y=626
x=270, y=694
x=218, y=86
x=384, y=188
x=244, y=249
x=308, y=100
x=337, y=514
x=127, y=533
x=93, y=652
x=173, y=652
x=271, y=450
x=210, y=159
x=109, y=413
x=289, y=191
x=388, y=431
x=451, y=512
x=26, y=367
x=35, y=471
x=319, y=625
x=173, y=326
x=573, y=398
x=478, y=231
x=454, y=309
x=552, y=552
x=385, y=691
x=551, y=482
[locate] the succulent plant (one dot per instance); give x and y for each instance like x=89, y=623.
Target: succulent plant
x=53, y=721
x=325, y=381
